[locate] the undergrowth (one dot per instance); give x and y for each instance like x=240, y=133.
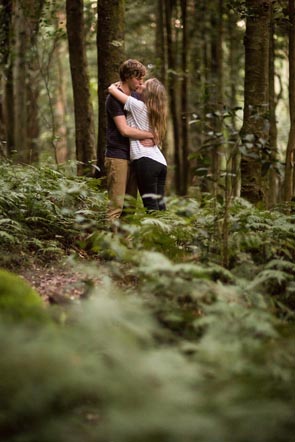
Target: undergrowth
x=45, y=213
x=171, y=345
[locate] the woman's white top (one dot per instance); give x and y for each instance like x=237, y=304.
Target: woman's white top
x=138, y=117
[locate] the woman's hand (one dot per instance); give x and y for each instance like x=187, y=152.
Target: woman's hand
x=114, y=86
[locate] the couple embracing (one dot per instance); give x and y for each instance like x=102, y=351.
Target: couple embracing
x=136, y=126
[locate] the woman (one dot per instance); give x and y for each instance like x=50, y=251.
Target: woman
x=149, y=162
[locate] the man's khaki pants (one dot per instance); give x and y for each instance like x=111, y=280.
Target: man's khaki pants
x=121, y=181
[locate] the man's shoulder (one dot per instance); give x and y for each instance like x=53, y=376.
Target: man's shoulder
x=113, y=106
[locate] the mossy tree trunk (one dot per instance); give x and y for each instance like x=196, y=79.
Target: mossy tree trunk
x=84, y=118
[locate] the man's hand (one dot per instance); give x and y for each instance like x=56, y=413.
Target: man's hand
x=147, y=142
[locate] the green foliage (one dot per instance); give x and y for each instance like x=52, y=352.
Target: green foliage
x=103, y=375
x=186, y=350
x=45, y=212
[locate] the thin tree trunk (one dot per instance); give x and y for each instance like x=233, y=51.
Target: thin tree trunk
x=110, y=54
x=5, y=70
x=19, y=82
x=234, y=154
x=216, y=96
x=288, y=184
x=184, y=104
x=272, y=196
x=84, y=119
x=172, y=93
x=62, y=154
x=160, y=46
x=161, y=53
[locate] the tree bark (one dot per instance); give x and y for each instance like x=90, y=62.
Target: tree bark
x=255, y=130
x=84, y=119
x=288, y=184
x=234, y=56
x=62, y=154
x=5, y=64
x=273, y=179
x=33, y=13
x=184, y=102
x=172, y=93
x=216, y=92
x=110, y=53
x=19, y=83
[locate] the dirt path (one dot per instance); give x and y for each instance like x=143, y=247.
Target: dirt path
x=58, y=283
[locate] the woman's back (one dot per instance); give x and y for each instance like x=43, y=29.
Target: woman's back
x=138, y=117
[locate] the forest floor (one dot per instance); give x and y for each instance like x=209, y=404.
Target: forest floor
x=59, y=283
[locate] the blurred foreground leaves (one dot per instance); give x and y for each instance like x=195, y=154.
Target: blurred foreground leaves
x=104, y=370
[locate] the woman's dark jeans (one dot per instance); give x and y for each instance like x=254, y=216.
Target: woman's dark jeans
x=151, y=178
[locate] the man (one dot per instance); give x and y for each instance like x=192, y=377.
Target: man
x=120, y=175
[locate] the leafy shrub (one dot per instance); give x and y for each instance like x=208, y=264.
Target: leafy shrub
x=43, y=211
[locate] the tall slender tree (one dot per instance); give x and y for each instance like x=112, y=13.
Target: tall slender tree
x=185, y=175
x=255, y=130
x=272, y=195
x=6, y=91
x=289, y=176
x=234, y=57
x=19, y=80
x=84, y=118
x=216, y=94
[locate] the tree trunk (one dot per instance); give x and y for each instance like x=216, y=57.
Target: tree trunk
x=255, y=130
x=184, y=104
x=22, y=81
x=234, y=154
x=288, y=184
x=160, y=46
x=62, y=154
x=110, y=54
x=9, y=109
x=84, y=119
x=19, y=83
x=161, y=53
x=5, y=62
x=33, y=13
x=172, y=93
x=273, y=179
x=216, y=93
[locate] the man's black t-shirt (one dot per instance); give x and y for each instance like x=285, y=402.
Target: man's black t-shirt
x=117, y=145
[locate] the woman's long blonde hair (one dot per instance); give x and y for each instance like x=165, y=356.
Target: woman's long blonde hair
x=155, y=98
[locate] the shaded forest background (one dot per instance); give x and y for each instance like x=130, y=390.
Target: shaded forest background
x=226, y=66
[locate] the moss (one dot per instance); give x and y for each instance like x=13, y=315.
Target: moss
x=19, y=301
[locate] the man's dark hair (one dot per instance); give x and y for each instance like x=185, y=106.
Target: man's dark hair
x=130, y=69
